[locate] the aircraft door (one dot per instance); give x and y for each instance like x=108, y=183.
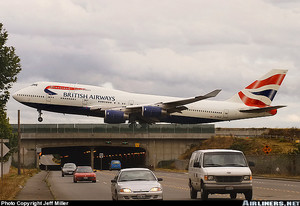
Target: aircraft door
x=48, y=98
x=225, y=113
x=84, y=102
x=130, y=102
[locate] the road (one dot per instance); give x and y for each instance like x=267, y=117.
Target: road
x=174, y=185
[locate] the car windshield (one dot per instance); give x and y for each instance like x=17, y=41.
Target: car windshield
x=115, y=162
x=84, y=170
x=69, y=166
x=224, y=159
x=137, y=175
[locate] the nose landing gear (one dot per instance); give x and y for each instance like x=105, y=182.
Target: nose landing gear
x=40, y=119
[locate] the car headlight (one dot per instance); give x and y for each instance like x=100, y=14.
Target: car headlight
x=126, y=190
x=155, y=189
x=247, y=177
x=209, y=177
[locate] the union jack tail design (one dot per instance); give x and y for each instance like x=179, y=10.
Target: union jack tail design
x=261, y=92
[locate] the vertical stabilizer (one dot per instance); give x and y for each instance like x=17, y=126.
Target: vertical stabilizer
x=261, y=92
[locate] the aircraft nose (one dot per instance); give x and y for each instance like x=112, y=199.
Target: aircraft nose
x=16, y=96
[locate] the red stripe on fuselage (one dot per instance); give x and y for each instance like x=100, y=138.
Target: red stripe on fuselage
x=64, y=88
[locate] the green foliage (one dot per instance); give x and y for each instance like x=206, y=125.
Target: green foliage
x=9, y=67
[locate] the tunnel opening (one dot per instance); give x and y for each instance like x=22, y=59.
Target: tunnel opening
x=103, y=155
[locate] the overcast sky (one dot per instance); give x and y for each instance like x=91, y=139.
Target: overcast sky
x=179, y=48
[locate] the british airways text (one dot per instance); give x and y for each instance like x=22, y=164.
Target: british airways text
x=87, y=96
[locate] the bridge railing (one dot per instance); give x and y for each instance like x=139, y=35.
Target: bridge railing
x=114, y=128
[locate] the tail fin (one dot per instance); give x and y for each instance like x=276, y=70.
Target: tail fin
x=261, y=92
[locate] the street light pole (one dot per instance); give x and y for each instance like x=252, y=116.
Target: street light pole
x=19, y=144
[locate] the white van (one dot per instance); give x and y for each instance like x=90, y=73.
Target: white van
x=219, y=171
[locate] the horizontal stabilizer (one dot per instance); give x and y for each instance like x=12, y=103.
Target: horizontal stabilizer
x=261, y=109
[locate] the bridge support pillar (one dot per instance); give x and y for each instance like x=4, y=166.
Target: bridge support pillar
x=92, y=157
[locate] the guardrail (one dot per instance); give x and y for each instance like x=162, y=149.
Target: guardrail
x=114, y=128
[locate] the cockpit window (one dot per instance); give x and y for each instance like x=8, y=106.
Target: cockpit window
x=34, y=85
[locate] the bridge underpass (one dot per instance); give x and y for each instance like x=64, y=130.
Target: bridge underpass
x=158, y=142
x=81, y=155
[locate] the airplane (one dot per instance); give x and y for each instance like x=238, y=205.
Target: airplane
x=117, y=106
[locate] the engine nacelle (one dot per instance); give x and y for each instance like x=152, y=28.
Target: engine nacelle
x=152, y=111
x=115, y=117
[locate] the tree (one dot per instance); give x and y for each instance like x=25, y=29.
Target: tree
x=9, y=67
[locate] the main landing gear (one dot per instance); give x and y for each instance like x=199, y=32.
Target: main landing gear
x=40, y=118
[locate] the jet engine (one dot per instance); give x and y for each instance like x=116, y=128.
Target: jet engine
x=153, y=111
x=115, y=117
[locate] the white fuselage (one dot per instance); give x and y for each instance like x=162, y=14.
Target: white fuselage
x=83, y=99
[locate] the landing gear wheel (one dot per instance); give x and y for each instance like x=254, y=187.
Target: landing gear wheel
x=132, y=125
x=40, y=119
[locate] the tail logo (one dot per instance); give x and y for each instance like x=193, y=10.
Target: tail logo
x=261, y=92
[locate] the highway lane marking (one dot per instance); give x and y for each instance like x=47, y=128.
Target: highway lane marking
x=167, y=177
x=288, y=185
x=277, y=190
x=108, y=173
x=176, y=187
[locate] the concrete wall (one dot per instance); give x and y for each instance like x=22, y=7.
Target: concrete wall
x=241, y=131
x=158, y=146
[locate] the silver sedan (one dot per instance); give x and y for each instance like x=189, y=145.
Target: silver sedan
x=136, y=184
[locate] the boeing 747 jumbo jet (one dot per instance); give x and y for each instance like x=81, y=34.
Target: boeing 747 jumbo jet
x=118, y=106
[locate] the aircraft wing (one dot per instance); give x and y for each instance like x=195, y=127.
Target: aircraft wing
x=260, y=109
x=170, y=106
x=174, y=106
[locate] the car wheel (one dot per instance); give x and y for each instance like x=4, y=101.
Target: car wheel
x=233, y=196
x=248, y=195
x=204, y=192
x=116, y=195
x=193, y=192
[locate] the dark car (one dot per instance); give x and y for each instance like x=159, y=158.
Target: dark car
x=68, y=169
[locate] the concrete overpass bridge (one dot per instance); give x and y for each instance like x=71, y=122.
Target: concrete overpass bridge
x=85, y=144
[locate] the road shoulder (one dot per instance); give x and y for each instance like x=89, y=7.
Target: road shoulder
x=36, y=188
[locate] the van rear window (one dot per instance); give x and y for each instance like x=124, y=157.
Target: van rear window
x=224, y=159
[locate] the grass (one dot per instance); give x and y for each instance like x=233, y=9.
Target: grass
x=250, y=146
x=13, y=183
